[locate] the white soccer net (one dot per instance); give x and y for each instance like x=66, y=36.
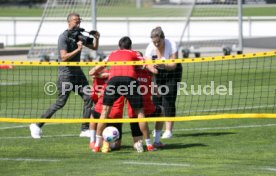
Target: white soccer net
x=213, y=27
x=53, y=23
x=194, y=24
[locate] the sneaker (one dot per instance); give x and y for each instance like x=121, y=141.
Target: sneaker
x=91, y=145
x=96, y=149
x=85, y=133
x=167, y=135
x=139, y=146
x=158, y=145
x=105, y=147
x=151, y=148
x=36, y=132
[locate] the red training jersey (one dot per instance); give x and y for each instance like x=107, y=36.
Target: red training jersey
x=144, y=78
x=125, y=70
x=98, y=87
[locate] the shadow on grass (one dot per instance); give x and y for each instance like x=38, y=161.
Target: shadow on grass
x=172, y=146
x=204, y=134
x=182, y=146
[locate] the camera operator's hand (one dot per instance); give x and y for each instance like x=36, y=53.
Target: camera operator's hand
x=80, y=45
x=97, y=35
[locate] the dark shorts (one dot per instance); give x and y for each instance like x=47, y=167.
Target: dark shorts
x=114, y=90
x=97, y=115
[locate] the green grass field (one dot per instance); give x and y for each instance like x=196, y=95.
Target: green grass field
x=131, y=11
x=211, y=148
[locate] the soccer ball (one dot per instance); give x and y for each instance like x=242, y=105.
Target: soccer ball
x=111, y=134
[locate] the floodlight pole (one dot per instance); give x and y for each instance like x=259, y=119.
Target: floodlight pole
x=240, y=16
x=94, y=14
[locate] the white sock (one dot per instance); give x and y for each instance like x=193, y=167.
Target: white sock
x=148, y=142
x=157, y=136
x=93, y=135
x=98, y=141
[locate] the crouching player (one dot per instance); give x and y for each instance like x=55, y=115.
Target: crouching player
x=99, y=83
x=123, y=76
x=146, y=88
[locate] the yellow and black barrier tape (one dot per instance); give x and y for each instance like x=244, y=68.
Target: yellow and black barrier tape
x=130, y=120
x=119, y=63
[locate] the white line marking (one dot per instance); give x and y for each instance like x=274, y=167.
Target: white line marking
x=225, y=128
x=13, y=127
x=188, y=129
x=10, y=83
x=230, y=109
x=270, y=169
x=24, y=126
x=156, y=164
x=29, y=159
x=49, y=136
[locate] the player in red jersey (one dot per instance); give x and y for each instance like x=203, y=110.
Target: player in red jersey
x=99, y=81
x=146, y=86
x=123, y=76
x=99, y=84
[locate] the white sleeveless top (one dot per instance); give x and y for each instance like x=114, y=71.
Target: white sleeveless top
x=170, y=48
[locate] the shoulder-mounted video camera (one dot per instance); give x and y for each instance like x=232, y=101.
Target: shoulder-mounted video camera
x=76, y=35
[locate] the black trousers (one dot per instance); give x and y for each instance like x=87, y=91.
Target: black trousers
x=64, y=83
x=170, y=80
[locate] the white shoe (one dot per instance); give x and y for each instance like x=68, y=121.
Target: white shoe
x=167, y=135
x=86, y=133
x=139, y=146
x=36, y=132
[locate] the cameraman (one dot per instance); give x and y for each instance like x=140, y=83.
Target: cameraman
x=71, y=76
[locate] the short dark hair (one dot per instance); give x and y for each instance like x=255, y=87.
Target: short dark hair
x=157, y=32
x=125, y=43
x=71, y=15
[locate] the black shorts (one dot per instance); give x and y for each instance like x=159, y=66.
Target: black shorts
x=97, y=115
x=156, y=113
x=114, y=90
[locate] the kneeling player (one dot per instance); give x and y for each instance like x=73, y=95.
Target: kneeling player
x=150, y=110
x=99, y=83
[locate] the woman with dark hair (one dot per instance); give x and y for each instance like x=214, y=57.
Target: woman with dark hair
x=168, y=74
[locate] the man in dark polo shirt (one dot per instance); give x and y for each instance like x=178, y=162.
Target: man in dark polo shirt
x=70, y=51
